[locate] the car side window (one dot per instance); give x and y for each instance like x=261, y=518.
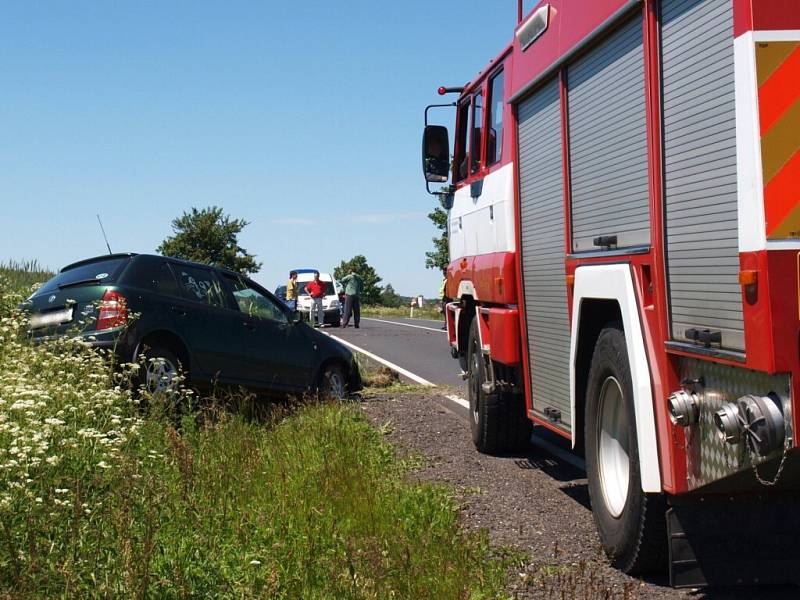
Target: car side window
x=253, y=303
x=200, y=285
x=152, y=275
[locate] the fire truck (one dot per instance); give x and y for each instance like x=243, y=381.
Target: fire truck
x=623, y=195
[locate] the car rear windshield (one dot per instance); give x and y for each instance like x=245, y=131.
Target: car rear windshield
x=101, y=272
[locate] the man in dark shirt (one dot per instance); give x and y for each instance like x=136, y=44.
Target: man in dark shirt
x=353, y=288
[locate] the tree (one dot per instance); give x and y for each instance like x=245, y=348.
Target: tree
x=390, y=298
x=209, y=236
x=439, y=258
x=372, y=291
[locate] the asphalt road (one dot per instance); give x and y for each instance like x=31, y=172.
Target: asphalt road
x=417, y=345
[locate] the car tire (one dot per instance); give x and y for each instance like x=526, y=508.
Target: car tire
x=161, y=371
x=631, y=524
x=333, y=383
x=498, y=422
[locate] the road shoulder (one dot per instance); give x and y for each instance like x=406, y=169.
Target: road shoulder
x=532, y=502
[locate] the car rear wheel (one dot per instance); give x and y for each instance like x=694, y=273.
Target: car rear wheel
x=162, y=371
x=333, y=384
x=631, y=523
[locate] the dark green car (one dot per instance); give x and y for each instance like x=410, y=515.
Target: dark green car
x=213, y=324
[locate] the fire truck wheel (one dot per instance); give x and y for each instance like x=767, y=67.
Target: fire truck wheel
x=631, y=523
x=498, y=421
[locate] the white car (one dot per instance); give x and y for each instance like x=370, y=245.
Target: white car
x=330, y=303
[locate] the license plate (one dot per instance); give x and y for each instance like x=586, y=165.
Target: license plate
x=56, y=317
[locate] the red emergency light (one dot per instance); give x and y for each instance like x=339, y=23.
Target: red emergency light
x=450, y=90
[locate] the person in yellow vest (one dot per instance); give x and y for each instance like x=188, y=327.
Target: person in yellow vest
x=291, y=291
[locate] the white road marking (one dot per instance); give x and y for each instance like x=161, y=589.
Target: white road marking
x=457, y=400
x=567, y=457
x=383, y=361
x=404, y=324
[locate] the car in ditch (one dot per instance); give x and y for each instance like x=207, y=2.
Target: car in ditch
x=210, y=324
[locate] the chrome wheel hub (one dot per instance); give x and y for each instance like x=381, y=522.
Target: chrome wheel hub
x=613, y=452
x=160, y=376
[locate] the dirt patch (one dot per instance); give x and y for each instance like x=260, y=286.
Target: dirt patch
x=533, y=502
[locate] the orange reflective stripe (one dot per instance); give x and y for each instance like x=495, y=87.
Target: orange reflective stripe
x=782, y=194
x=780, y=91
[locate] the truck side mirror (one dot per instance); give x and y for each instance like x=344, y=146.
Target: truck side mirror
x=436, y=154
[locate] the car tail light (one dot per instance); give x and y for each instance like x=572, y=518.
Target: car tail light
x=113, y=311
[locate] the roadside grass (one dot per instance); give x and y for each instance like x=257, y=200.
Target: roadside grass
x=101, y=497
x=427, y=312
x=23, y=274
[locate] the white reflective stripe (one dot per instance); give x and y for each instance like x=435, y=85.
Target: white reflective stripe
x=749, y=177
x=774, y=35
x=614, y=282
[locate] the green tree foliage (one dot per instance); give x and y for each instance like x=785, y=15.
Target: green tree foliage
x=390, y=298
x=372, y=291
x=439, y=257
x=209, y=236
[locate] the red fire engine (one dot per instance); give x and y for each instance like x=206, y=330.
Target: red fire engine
x=624, y=229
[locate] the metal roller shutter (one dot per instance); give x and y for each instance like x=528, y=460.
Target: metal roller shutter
x=608, y=142
x=542, y=250
x=700, y=169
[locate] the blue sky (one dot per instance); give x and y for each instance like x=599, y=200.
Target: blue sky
x=303, y=118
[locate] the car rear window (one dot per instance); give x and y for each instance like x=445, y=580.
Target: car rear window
x=101, y=272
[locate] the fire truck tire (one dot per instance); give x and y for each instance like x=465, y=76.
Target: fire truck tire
x=631, y=524
x=498, y=421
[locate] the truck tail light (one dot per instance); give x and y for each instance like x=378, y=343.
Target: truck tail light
x=113, y=311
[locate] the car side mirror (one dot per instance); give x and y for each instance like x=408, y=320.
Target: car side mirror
x=436, y=154
x=297, y=317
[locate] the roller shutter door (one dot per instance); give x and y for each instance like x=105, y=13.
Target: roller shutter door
x=608, y=142
x=700, y=169
x=542, y=250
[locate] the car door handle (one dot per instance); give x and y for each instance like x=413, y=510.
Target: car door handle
x=178, y=311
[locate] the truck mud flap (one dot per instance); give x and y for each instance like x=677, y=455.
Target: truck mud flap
x=734, y=540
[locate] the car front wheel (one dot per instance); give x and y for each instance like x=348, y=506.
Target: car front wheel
x=333, y=383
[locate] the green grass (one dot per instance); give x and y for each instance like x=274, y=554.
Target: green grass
x=191, y=498
x=427, y=312
x=23, y=274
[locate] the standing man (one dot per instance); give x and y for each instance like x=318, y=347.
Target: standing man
x=291, y=291
x=316, y=289
x=443, y=296
x=353, y=288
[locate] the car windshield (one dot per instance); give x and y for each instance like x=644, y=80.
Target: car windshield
x=301, y=288
x=98, y=272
